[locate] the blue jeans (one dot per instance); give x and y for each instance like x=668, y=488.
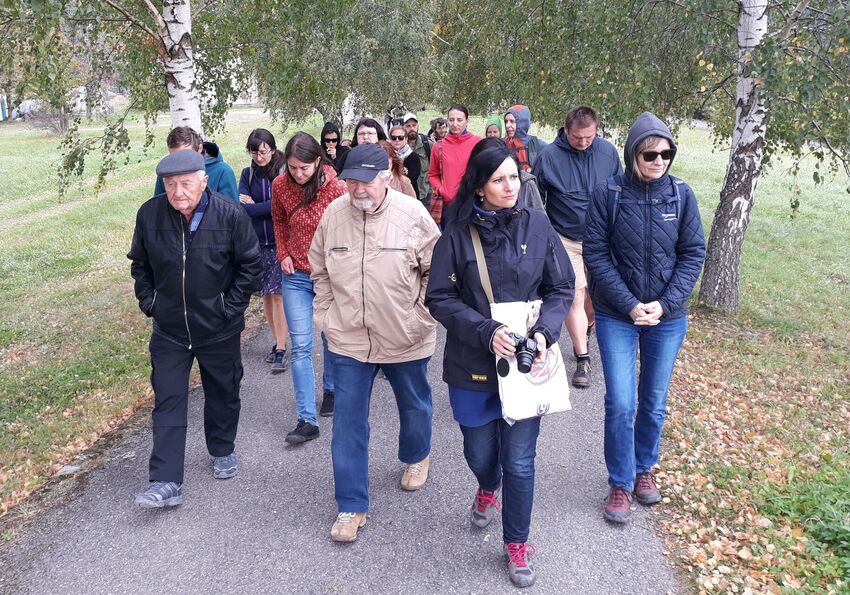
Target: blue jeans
x=350, y=442
x=298, y=295
x=500, y=454
x=632, y=437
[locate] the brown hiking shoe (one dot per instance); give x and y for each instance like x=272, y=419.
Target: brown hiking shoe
x=346, y=525
x=415, y=475
x=646, y=492
x=581, y=378
x=618, y=506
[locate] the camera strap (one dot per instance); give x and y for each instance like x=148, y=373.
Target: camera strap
x=482, y=264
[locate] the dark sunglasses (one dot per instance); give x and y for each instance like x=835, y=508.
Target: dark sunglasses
x=666, y=155
x=398, y=137
x=331, y=140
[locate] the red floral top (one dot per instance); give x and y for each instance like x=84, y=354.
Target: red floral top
x=295, y=225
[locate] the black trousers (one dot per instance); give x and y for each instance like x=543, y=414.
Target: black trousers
x=221, y=374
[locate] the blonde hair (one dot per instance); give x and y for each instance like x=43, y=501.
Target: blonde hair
x=647, y=143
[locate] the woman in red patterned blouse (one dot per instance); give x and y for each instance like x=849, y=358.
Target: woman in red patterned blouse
x=299, y=198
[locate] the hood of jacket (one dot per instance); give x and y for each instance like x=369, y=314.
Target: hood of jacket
x=523, y=121
x=647, y=124
x=457, y=139
x=212, y=154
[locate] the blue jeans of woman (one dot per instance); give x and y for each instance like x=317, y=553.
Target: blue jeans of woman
x=298, y=306
x=350, y=442
x=500, y=454
x=634, y=408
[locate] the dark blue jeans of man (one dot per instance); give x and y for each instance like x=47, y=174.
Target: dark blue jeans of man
x=634, y=408
x=500, y=454
x=221, y=373
x=353, y=382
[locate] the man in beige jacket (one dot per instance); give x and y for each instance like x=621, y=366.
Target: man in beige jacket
x=370, y=259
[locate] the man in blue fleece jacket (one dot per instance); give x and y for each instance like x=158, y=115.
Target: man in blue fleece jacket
x=221, y=176
x=567, y=172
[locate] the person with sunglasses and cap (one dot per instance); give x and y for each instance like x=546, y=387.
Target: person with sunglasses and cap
x=330, y=141
x=370, y=261
x=644, y=249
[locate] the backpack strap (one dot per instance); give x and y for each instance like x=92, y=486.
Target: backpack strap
x=676, y=183
x=426, y=144
x=250, y=176
x=613, y=205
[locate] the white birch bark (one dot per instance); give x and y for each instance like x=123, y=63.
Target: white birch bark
x=179, y=65
x=721, y=284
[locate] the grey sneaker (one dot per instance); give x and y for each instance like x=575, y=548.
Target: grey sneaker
x=225, y=467
x=280, y=360
x=520, y=570
x=484, y=507
x=581, y=378
x=161, y=494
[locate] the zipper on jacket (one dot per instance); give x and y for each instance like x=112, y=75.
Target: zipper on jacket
x=647, y=239
x=363, y=286
x=185, y=309
x=153, y=302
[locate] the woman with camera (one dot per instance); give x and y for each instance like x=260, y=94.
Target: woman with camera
x=525, y=261
x=644, y=248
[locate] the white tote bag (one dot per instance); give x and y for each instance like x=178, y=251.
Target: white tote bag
x=543, y=390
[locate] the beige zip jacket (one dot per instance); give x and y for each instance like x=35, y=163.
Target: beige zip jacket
x=370, y=272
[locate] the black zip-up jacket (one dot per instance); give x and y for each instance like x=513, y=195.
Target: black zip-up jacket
x=525, y=261
x=196, y=293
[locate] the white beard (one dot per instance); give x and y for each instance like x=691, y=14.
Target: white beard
x=364, y=204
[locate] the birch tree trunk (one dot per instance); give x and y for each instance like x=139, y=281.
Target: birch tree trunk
x=178, y=61
x=720, y=283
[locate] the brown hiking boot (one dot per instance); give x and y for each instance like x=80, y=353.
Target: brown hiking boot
x=346, y=525
x=581, y=377
x=646, y=492
x=415, y=475
x=618, y=506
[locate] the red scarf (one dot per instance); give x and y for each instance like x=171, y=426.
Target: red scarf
x=516, y=145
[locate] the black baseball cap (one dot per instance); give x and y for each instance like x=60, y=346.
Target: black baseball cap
x=364, y=162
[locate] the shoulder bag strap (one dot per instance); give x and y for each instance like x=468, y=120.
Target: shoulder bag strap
x=482, y=264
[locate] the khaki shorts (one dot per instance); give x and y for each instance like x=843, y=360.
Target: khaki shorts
x=574, y=252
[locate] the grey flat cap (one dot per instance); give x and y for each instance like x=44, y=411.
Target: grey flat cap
x=185, y=161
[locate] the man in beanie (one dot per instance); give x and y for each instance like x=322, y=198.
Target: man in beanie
x=370, y=259
x=195, y=261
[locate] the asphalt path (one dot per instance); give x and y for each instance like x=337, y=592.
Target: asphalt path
x=267, y=530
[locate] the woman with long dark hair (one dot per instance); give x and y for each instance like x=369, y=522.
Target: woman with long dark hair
x=525, y=261
x=299, y=198
x=255, y=194
x=644, y=249
x=449, y=157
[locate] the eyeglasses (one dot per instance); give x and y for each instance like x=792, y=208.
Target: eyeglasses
x=331, y=140
x=666, y=155
x=263, y=153
x=366, y=133
x=393, y=137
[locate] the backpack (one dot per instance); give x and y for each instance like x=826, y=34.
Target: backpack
x=614, y=205
x=426, y=143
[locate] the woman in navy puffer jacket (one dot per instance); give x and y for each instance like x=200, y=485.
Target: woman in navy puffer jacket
x=644, y=249
x=255, y=194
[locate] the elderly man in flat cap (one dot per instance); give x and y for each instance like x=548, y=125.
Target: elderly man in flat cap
x=195, y=261
x=370, y=259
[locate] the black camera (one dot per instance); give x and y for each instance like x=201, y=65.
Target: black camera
x=526, y=349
